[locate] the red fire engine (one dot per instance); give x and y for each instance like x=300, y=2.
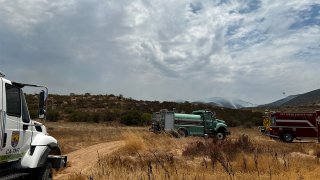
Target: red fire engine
x=288, y=126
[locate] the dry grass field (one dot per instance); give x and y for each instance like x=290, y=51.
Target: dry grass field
x=144, y=155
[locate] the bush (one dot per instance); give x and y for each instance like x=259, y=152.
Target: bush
x=257, y=121
x=68, y=110
x=146, y=119
x=248, y=124
x=195, y=149
x=132, y=118
x=234, y=123
x=133, y=143
x=108, y=116
x=79, y=116
x=53, y=115
x=216, y=147
x=34, y=114
x=136, y=118
x=96, y=117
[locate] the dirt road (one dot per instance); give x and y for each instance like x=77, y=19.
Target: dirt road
x=82, y=159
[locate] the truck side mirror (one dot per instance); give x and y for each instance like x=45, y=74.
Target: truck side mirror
x=42, y=105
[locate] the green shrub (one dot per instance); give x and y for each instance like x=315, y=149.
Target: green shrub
x=233, y=123
x=248, y=124
x=257, y=120
x=146, y=119
x=68, y=110
x=34, y=114
x=79, y=116
x=216, y=147
x=53, y=115
x=96, y=117
x=109, y=116
x=131, y=118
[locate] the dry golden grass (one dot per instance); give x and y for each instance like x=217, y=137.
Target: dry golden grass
x=146, y=155
x=74, y=136
x=133, y=143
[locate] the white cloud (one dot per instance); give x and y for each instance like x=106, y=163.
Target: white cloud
x=164, y=50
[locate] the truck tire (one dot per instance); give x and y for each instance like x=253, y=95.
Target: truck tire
x=287, y=137
x=174, y=133
x=221, y=135
x=182, y=133
x=43, y=173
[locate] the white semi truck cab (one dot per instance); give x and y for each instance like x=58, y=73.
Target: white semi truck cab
x=26, y=149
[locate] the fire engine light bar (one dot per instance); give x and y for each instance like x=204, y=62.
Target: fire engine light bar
x=2, y=74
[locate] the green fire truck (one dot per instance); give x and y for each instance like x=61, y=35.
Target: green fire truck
x=199, y=123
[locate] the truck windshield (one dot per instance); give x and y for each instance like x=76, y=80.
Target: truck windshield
x=208, y=116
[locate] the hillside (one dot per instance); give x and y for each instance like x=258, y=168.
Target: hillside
x=280, y=102
x=311, y=98
x=232, y=103
x=111, y=108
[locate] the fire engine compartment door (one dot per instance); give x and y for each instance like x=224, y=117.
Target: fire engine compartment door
x=169, y=121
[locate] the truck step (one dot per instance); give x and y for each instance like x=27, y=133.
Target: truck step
x=18, y=175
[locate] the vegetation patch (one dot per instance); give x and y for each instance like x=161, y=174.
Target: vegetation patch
x=107, y=108
x=146, y=155
x=133, y=143
x=215, y=148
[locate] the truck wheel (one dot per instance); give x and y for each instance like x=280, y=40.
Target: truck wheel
x=287, y=137
x=220, y=135
x=182, y=133
x=174, y=133
x=43, y=173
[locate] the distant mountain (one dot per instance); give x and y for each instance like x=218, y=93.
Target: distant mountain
x=180, y=101
x=280, y=102
x=311, y=98
x=232, y=103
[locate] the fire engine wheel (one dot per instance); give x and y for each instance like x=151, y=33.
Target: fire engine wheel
x=220, y=135
x=287, y=137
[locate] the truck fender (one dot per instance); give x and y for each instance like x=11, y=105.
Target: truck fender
x=41, y=147
x=183, y=132
x=43, y=140
x=221, y=127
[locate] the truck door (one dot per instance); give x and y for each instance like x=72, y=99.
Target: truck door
x=208, y=123
x=13, y=126
x=2, y=120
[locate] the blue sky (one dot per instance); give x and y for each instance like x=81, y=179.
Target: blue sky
x=164, y=49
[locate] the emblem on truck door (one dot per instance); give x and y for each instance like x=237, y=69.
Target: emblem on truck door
x=15, y=138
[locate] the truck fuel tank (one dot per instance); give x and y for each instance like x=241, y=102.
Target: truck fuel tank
x=187, y=116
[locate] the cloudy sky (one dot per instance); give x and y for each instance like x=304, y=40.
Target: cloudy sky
x=164, y=49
